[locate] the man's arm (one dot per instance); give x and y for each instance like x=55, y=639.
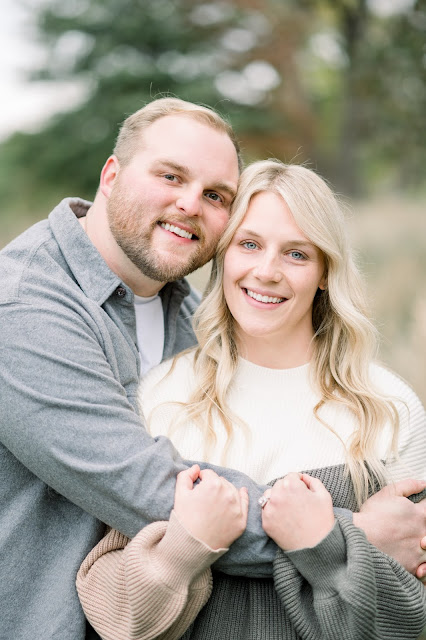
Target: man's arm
x=396, y=525
x=157, y=583
x=66, y=418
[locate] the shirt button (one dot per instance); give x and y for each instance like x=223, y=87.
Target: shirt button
x=120, y=292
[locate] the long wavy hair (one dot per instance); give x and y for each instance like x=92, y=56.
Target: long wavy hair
x=344, y=343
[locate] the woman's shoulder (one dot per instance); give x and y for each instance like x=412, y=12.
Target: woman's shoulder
x=412, y=415
x=393, y=385
x=410, y=461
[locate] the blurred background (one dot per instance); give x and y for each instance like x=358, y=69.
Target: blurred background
x=339, y=84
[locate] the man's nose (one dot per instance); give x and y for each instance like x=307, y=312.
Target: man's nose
x=190, y=201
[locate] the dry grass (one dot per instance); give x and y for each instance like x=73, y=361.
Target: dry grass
x=390, y=235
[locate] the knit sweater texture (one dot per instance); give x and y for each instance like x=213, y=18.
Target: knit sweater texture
x=283, y=434
x=343, y=587
x=156, y=585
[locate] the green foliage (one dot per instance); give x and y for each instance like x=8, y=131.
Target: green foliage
x=349, y=94
x=128, y=53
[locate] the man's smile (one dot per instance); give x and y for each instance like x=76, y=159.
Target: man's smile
x=182, y=233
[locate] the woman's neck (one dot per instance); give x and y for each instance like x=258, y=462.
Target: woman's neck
x=267, y=353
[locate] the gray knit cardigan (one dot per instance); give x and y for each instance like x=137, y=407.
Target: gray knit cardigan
x=342, y=589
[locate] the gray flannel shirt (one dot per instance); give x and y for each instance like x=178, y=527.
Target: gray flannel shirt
x=73, y=451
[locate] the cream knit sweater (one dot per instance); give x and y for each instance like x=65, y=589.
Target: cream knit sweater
x=154, y=586
x=283, y=433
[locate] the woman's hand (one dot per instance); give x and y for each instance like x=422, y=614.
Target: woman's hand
x=213, y=511
x=299, y=512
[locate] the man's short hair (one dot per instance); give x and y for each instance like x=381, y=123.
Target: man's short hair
x=129, y=136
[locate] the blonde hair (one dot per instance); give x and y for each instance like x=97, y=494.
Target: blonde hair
x=129, y=136
x=345, y=341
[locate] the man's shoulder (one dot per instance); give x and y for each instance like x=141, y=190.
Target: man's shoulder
x=194, y=296
x=188, y=295
x=36, y=263
x=20, y=258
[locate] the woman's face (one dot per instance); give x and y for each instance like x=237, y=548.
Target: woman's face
x=271, y=274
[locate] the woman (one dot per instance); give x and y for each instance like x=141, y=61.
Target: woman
x=283, y=380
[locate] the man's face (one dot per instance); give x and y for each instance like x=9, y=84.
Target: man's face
x=168, y=207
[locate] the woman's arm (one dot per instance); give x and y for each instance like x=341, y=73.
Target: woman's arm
x=155, y=585
x=333, y=582
x=345, y=588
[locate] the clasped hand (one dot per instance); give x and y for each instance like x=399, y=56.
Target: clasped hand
x=213, y=511
x=299, y=512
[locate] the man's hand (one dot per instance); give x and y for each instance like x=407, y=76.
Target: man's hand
x=397, y=526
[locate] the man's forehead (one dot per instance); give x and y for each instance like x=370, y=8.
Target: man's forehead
x=191, y=147
x=177, y=124
x=174, y=127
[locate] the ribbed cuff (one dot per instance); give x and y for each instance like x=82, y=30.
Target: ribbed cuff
x=181, y=558
x=320, y=564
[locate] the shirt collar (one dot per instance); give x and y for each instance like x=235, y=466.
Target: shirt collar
x=88, y=267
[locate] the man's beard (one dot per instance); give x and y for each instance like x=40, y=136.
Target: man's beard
x=125, y=218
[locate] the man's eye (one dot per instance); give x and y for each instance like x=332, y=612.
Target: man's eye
x=169, y=176
x=212, y=195
x=249, y=245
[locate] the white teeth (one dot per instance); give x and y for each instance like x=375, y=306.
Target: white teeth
x=259, y=298
x=177, y=230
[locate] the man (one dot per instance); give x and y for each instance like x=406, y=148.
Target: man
x=89, y=295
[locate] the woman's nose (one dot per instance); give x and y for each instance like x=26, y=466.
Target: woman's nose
x=268, y=269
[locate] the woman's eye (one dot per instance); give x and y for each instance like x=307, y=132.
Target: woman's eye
x=297, y=255
x=249, y=245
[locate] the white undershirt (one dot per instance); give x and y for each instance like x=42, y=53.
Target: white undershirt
x=149, y=331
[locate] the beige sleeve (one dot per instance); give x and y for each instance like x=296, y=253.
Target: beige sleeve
x=152, y=586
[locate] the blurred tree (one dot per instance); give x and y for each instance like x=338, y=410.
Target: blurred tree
x=326, y=81
x=376, y=51
x=125, y=52
x=353, y=90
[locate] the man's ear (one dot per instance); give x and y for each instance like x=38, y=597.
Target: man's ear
x=109, y=173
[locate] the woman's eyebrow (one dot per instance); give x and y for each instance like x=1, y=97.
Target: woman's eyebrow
x=254, y=234
x=247, y=232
